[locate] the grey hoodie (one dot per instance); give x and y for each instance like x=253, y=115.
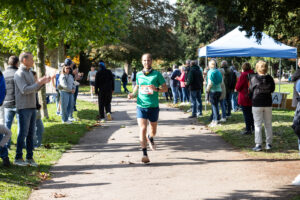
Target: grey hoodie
x=66, y=83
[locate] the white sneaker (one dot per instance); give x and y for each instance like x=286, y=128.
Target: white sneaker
x=102, y=120
x=152, y=144
x=67, y=122
x=182, y=104
x=268, y=146
x=71, y=119
x=213, y=124
x=108, y=115
x=223, y=120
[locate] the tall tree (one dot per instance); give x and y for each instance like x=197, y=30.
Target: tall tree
x=150, y=30
x=36, y=23
x=281, y=19
x=196, y=25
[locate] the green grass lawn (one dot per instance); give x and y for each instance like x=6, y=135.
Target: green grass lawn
x=285, y=142
x=287, y=87
x=17, y=182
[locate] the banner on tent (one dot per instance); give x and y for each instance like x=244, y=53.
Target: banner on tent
x=276, y=98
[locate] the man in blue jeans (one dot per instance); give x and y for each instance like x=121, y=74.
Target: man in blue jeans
x=175, y=84
x=25, y=92
x=9, y=103
x=195, y=84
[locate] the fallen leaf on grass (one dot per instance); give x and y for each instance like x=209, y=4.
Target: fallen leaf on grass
x=57, y=195
x=43, y=176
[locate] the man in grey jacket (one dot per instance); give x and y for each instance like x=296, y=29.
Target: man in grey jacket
x=25, y=92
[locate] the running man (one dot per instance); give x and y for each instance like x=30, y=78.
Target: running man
x=148, y=83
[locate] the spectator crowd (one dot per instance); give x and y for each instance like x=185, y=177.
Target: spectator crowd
x=227, y=90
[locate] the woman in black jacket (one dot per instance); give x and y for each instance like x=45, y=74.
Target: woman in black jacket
x=261, y=88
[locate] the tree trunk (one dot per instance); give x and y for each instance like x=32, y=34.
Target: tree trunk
x=127, y=66
x=84, y=65
x=53, y=57
x=41, y=72
x=4, y=59
x=61, y=52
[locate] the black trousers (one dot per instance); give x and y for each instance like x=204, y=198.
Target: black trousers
x=104, y=101
x=248, y=117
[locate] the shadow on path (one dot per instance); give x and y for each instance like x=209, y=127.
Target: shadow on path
x=284, y=193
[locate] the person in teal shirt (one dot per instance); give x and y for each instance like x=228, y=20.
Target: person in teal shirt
x=149, y=83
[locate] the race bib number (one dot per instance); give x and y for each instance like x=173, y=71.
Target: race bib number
x=146, y=89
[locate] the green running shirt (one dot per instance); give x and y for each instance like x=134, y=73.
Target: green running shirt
x=147, y=98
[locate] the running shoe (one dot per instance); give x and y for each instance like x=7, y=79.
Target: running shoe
x=257, y=148
x=145, y=159
x=223, y=120
x=268, y=147
x=31, y=162
x=102, y=120
x=67, y=122
x=20, y=162
x=108, y=117
x=72, y=119
x=213, y=124
x=151, y=143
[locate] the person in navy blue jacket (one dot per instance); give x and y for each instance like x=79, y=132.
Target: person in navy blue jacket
x=175, y=83
x=2, y=88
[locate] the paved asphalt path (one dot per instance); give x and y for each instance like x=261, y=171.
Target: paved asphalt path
x=190, y=163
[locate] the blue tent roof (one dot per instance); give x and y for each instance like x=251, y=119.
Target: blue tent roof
x=236, y=44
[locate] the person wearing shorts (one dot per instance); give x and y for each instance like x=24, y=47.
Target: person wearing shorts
x=91, y=77
x=149, y=83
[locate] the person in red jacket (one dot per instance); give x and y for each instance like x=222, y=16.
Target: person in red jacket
x=244, y=100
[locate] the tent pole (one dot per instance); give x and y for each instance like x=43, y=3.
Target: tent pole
x=279, y=79
x=270, y=66
x=205, y=83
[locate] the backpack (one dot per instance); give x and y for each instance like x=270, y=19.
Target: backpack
x=232, y=80
x=229, y=79
x=249, y=77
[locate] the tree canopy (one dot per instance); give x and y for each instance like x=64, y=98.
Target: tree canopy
x=197, y=25
x=150, y=30
x=279, y=18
